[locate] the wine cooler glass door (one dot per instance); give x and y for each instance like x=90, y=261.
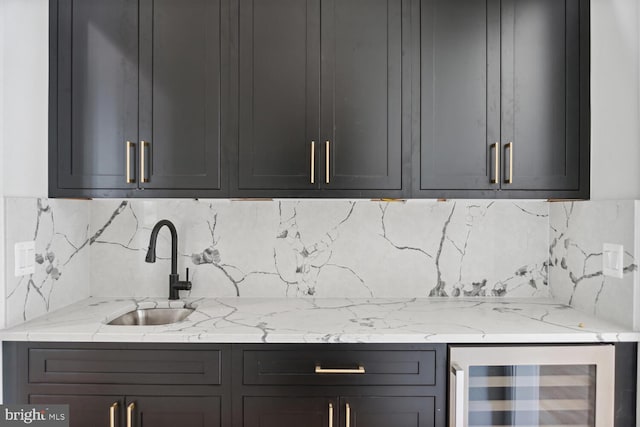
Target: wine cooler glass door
x=532, y=386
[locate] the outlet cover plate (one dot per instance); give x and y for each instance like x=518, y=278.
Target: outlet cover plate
x=25, y=258
x=612, y=260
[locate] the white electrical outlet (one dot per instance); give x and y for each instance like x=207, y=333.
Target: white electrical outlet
x=612, y=260
x=25, y=258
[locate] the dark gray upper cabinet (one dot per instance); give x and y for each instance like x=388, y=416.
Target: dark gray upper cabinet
x=180, y=72
x=504, y=99
x=460, y=93
x=95, y=78
x=136, y=97
x=320, y=97
x=361, y=84
x=279, y=66
x=541, y=94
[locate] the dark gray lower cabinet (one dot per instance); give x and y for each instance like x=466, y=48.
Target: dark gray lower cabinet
x=290, y=411
x=360, y=411
x=251, y=385
x=172, y=411
x=147, y=411
x=345, y=385
x=84, y=410
x=159, y=385
x=396, y=411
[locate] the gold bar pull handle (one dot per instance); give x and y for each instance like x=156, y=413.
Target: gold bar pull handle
x=347, y=415
x=112, y=414
x=130, y=180
x=330, y=414
x=327, y=160
x=130, y=409
x=359, y=370
x=509, y=179
x=143, y=176
x=313, y=162
x=496, y=165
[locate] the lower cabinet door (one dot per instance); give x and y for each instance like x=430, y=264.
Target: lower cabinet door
x=289, y=412
x=182, y=411
x=387, y=412
x=84, y=411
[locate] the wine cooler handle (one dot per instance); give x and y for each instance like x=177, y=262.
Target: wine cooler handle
x=458, y=401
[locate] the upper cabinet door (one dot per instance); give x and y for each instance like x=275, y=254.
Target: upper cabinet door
x=541, y=99
x=362, y=101
x=328, y=98
x=95, y=76
x=459, y=95
x=279, y=94
x=180, y=94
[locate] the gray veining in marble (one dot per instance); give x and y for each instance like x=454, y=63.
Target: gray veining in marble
x=329, y=320
x=327, y=248
x=323, y=249
x=60, y=230
x=577, y=233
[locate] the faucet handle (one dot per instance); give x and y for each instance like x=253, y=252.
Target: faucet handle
x=187, y=274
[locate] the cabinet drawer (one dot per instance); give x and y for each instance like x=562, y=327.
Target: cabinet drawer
x=340, y=367
x=109, y=366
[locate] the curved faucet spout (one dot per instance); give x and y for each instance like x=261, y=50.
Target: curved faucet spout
x=175, y=284
x=151, y=252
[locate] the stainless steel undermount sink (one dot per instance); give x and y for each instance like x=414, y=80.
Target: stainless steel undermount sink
x=152, y=316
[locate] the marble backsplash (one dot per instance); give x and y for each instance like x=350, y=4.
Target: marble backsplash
x=327, y=248
x=322, y=248
x=60, y=230
x=578, y=231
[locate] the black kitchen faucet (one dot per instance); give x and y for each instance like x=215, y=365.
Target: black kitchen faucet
x=175, y=285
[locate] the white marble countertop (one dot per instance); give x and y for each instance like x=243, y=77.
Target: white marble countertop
x=339, y=320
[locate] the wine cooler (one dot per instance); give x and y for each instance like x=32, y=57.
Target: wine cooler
x=536, y=386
